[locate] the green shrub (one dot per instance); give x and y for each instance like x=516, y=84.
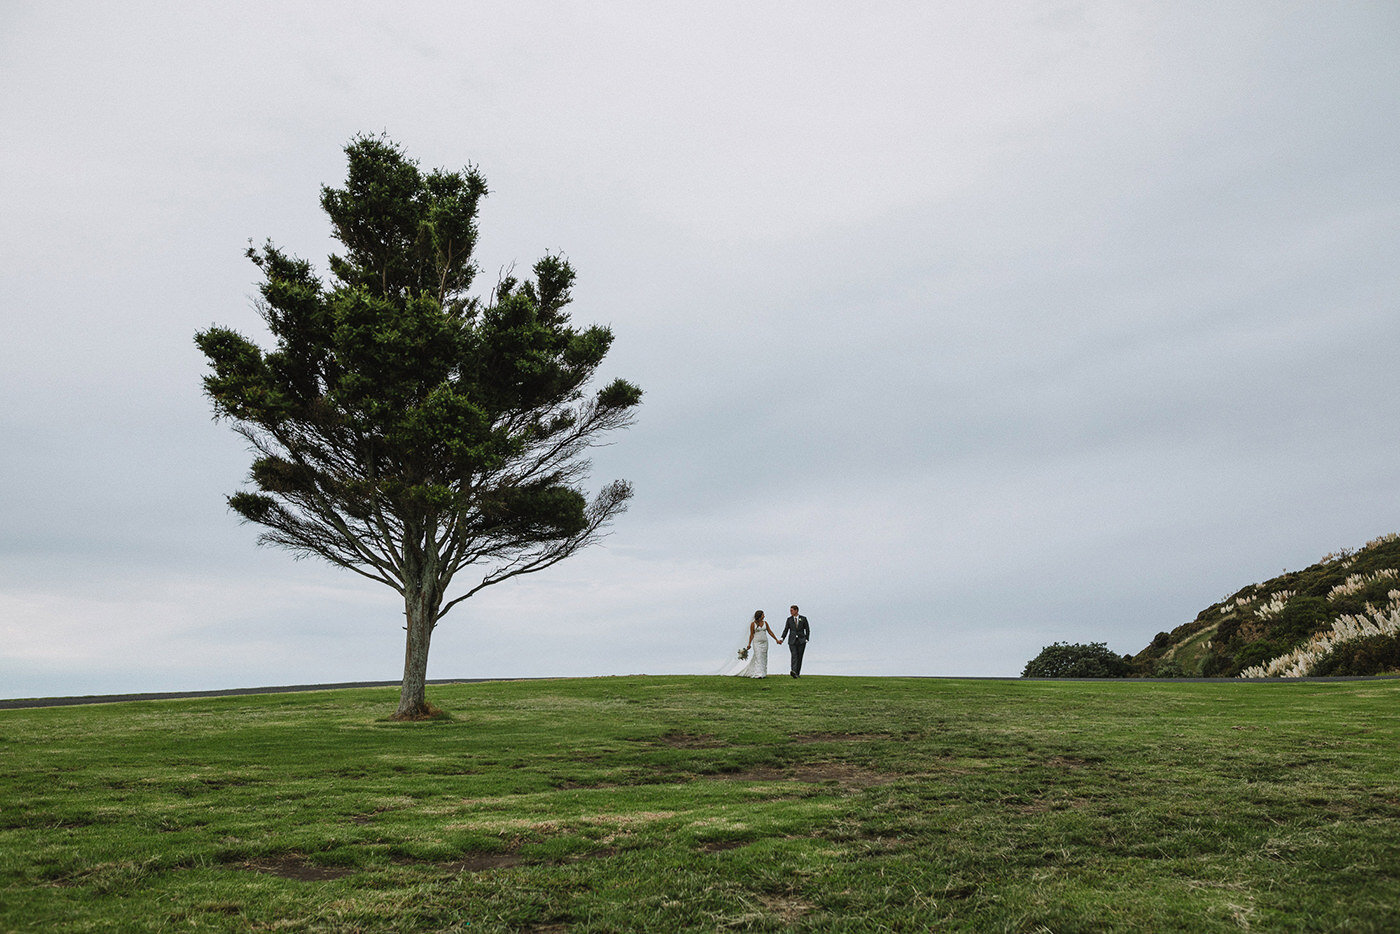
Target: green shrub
x=1169, y=668
x=1302, y=617
x=1349, y=605
x=1065, y=660
x=1215, y=665
x=1373, y=655
x=1257, y=653
x=1227, y=630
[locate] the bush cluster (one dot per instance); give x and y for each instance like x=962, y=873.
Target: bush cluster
x=1066, y=660
x=1168, y=668
x=1370, y=656
x=1265, y=621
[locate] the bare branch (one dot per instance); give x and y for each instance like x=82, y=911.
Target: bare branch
x=609, y=504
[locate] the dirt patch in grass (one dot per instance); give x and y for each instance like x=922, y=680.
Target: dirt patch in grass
x=576, y=784
x=848, y=776
x=788, y=908
x=480, y=862
x=1066, y=762
x=839, y=737
x=616, y=822
x=604, y=852
x=679, y=739
x=296, y=867
x=369, y=817
x=719, y=846
x=1045, y=805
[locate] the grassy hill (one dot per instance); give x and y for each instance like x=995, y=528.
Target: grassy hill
x=705, y=804
x=1340, y=616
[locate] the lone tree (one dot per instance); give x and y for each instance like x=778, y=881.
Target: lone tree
x=403, y=429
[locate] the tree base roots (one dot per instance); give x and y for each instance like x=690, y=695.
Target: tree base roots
x=426, y=712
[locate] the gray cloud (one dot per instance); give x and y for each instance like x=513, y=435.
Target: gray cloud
x=967, y=329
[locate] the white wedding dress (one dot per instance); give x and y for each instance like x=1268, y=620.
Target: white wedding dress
x=758, y=657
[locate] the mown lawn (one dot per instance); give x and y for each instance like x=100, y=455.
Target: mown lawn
x=709, y=804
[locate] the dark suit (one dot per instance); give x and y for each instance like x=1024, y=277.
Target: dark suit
x=801, y=632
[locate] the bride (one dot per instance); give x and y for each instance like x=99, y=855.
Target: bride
x=758, y=654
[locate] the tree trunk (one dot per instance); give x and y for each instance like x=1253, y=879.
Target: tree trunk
x=421, y=613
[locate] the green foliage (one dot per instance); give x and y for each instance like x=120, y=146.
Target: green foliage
x=1301, y=617
x=1214, y=665
x=1256, y=653
x=1065, y=660
x=666, y=804
x=1241, y=637
x=405, y=429
x=1369, y=656
x=1228, y=629
x=1168, y=669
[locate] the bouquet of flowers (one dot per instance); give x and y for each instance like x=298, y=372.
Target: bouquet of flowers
x=743, y=653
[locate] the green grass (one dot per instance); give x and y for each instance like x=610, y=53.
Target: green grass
x=1190, y=651
x=709, y=804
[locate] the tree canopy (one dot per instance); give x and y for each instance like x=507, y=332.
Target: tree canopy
x=1065, y=660
x=404, y=428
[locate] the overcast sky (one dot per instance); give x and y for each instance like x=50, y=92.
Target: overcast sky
x=969, y=327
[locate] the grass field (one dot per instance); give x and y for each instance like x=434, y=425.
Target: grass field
x=709, y=804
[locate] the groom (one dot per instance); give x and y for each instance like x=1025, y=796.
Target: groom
x=801, y=632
